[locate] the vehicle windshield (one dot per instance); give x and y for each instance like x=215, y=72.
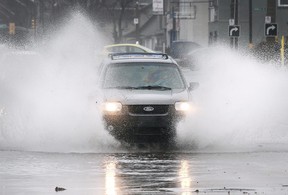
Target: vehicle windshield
x=156, y=76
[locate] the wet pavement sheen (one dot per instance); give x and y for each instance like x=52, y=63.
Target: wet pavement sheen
x=143, y=173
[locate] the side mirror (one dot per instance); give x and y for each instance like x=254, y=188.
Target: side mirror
x=193, y=86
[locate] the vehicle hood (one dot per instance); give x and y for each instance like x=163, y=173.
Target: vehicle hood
x=133, y=97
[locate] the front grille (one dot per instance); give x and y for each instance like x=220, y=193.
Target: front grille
x=148, y=109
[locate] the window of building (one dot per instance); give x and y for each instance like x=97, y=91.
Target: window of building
x=213, y=9
x=282, y=3
x=212, y=14
x=187, y=10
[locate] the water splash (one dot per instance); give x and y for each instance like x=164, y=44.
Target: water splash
x=241, y=104
x=48, y=95
x=47, y=100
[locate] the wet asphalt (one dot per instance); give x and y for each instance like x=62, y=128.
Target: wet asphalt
x=143, y=172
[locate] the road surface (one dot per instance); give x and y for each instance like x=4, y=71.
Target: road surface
x=143, y=172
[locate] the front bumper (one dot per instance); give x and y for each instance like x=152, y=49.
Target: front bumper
x=133, y=117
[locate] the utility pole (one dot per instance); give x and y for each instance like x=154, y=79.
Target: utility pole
x=272, y=48
x=234, y=15
x=173, y=24
x=164, y=25
x=136, y=21
x=236, y=21
x=271, y=11
x=250, y=24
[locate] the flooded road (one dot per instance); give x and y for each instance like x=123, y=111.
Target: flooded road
x=143, y=173
x=240, y=111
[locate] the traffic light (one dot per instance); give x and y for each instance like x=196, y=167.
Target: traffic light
x=33, y=23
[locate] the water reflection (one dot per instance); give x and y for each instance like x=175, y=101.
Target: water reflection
x=185, y=178
x=91, y=174
x=110, y=179
x=151, y=173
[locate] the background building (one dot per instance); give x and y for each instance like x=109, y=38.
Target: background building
x=202, y=21
x=220, y=11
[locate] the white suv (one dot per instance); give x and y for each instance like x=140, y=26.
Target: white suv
x=144, y=96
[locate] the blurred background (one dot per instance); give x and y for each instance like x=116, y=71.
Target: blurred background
x=156, y=24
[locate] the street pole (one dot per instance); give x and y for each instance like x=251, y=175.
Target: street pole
x=282, y=51
x=271, y=11
x=250, y=25
x=232, y=17
x=164, y=27
x=174, y=24
x=236, y=21
x=137, y=24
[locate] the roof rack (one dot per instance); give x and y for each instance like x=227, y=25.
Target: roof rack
x=119, y=56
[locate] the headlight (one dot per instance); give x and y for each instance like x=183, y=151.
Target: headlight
x=182, y=106
x=112, y=106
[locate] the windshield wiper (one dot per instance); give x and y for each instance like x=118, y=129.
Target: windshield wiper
x=123, y=87
x=151, y=87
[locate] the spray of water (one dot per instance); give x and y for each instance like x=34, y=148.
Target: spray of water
x=48, y=95
x=241, y=104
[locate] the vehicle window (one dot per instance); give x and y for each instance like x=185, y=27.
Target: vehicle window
x=118, y=49
x=143, y=74
x=135, y=49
